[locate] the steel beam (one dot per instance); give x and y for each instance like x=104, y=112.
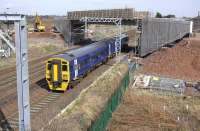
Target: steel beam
x=22, y=75
x=2, y=36
x=100, y=20
x=11, y=17
x=21, y=67
x=116, y=21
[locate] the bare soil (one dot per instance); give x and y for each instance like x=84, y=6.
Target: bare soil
x=181, y=61
x=143, y=110
x=39, y=44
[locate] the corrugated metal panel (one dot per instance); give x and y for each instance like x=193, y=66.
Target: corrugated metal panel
x=158, y=32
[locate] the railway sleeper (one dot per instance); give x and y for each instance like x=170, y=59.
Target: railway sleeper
x=38, y=106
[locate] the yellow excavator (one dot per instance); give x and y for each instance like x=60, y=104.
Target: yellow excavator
x=38, y=26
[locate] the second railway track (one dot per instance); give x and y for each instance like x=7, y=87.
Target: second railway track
x=42, y=101
x=38, y=90
x=36, y=73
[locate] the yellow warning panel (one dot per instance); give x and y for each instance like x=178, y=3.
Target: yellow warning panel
x=55, y=72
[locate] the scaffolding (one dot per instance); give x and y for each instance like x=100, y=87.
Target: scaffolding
x=6, y=44
x=116, y=21
x=21, y=68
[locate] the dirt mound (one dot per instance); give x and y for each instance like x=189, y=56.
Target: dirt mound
x=181, y=61
x=196, y=63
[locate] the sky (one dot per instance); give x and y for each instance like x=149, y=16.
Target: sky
x=180, y=8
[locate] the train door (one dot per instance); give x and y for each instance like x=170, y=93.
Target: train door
x=75, y=69
x=109, y=50
x=56, y=73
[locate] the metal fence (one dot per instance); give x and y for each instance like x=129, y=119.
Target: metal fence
x=102, y=121
x=157, y=33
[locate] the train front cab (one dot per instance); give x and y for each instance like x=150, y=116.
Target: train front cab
x=57, y=74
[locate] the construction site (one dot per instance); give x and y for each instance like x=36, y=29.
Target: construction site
x=99, y=70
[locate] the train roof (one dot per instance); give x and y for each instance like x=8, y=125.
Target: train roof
x=70, y=55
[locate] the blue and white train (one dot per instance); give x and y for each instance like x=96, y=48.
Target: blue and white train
x=63, y=69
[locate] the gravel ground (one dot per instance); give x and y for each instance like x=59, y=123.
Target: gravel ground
x=39, y=44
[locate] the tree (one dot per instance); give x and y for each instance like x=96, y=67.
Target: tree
x=158, y=15
x=169, y=16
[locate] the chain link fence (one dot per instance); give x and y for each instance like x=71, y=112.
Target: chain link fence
x=101, y=123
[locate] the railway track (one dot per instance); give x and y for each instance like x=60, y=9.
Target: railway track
x=44, y=104
x=35, y=108
x=11, y=87
x=9, y=79
x=12, y=77
x=11, y=71
x=39, y=95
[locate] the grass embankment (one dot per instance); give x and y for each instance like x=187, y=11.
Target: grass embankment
x=91, y=102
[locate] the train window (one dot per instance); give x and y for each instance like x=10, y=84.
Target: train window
x=93, y=58
x=76, y=67
x=64, y=67
x=64, y=62
x=71, y=55
x=87, y=61
x=98, y=53
x=49, y=67
x=82, y=64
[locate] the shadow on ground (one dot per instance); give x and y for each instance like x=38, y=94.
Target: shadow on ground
x=5, y=125
x=44, y=85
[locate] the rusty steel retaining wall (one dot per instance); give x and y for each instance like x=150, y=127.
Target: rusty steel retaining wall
x=157, y=33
